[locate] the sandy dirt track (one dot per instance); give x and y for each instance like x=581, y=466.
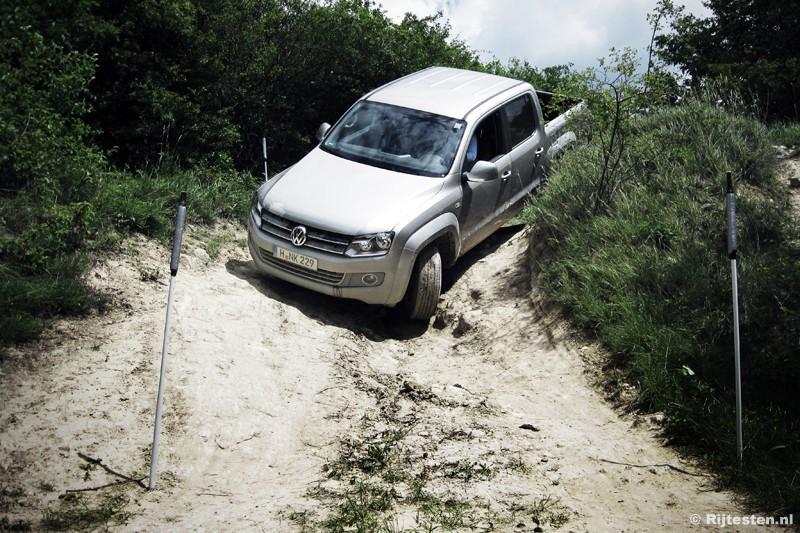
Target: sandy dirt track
x=279, y=398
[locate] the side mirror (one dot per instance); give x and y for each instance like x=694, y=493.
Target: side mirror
x=322, y=131
x=483, y=171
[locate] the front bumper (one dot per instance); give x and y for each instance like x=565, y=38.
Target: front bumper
x=335, y=272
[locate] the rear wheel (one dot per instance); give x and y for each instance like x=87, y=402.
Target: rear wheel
x=425, y=286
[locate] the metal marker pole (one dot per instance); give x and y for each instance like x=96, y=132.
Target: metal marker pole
x=173, y=269
x=730, y=211
x=264, y=152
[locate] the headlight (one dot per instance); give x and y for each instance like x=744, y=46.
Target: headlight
x=256, y=208
x=256, y=204
x=370, y=245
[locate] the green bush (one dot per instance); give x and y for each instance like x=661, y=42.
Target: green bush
x=43, y=94
x=209, y=77
x=650, y=276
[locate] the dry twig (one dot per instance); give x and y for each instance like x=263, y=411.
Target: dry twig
x=667, y=465
x=99, y=462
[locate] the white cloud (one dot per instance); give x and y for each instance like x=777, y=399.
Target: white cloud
x=545, y=32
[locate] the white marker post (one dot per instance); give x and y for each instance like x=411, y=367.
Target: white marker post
x=730, y=211
x=173, y=268
x=264, y=153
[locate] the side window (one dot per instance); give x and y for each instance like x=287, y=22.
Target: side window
x=520, y=117
x=486, y=143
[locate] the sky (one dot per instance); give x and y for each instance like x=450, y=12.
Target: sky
x=544, y=32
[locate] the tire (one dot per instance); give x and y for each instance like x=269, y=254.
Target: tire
x=425, y=286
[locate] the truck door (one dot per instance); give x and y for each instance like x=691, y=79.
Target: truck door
x=480, y=201
x=526, y=138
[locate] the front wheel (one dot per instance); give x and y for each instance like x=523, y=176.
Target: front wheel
x=425, y=286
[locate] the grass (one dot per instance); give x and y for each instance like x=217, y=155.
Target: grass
x=379, y=476
x=545, y=511
x=45, y=250
x=29, y=300
x=145, y=202
x=785, y=133
x=77, y=512
x=647, y=273
x=362, y=508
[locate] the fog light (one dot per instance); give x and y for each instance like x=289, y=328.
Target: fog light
x=369, y=279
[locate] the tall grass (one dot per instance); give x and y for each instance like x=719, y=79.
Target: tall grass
x=145, y=201
x=785, y=133
x=649, y=275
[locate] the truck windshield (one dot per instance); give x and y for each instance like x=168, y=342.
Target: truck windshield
x=396, y=138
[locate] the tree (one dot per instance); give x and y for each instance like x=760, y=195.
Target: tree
x=753, y=43
x=43, y=103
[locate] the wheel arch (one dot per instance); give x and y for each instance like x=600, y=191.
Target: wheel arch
x=444, y=232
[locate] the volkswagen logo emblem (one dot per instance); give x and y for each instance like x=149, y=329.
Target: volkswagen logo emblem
x=299, y=236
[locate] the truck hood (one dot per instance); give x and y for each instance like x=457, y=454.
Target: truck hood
x=343, y=196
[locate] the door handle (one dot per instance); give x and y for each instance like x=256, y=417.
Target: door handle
x=506, y=174
x=538, y=154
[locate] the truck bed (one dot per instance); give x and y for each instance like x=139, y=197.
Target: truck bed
x=556, y=109
x=552, y=110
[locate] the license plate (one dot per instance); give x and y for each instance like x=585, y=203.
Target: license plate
x=298, y=259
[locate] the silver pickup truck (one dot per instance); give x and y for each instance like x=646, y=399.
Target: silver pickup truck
x=413, y=175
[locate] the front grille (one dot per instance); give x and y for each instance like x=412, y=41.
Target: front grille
x=322, y=276
x=318, y=239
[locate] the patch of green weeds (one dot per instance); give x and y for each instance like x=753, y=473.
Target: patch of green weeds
x=78, y=512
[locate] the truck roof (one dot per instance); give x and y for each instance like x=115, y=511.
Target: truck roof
x=451, y=92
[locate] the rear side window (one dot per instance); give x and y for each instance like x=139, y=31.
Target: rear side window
x=520, y=117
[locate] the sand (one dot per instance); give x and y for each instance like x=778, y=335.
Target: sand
x=268, y=384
